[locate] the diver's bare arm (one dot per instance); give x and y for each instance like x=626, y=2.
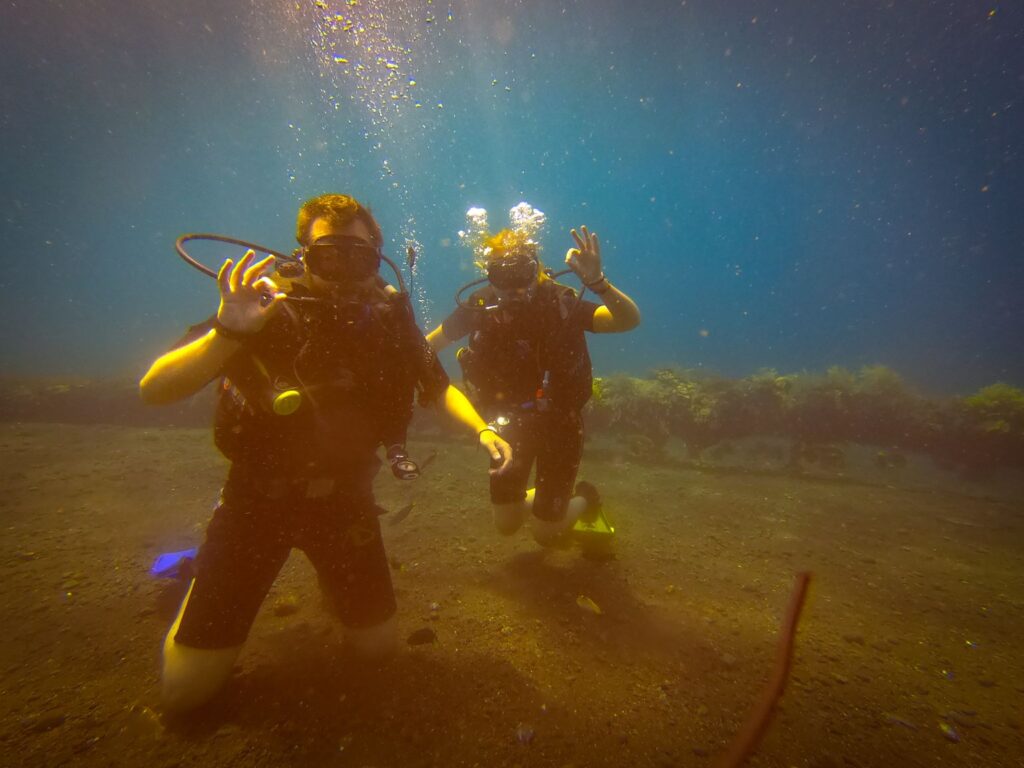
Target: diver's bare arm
x=437, y=340
x=619, y=312
x=247, y=300
x=457, y=406
x=184, y=371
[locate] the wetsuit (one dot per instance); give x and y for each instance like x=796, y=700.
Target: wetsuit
x=304, y=479
x=529, y=364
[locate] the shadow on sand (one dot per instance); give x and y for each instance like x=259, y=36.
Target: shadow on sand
x=548, y=587
x=306, y=694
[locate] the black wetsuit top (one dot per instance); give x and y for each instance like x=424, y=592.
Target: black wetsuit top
x=512, y=351
x=357, y=368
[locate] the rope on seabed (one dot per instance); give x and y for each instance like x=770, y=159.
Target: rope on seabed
x=760, y=717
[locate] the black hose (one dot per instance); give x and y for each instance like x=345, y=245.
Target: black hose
x=458, y=294
x=179, y=246
x=459, y=301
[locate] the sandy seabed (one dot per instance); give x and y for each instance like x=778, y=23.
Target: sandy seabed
x=909, y=652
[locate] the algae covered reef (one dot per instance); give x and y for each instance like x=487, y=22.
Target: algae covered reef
x=80, y=400
x=873, y=406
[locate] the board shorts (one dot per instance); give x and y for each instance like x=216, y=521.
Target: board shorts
x=554, y=440
x=255, y=526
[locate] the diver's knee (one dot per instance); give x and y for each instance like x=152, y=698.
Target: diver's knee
x=553, y=532
x=375, y=643
x=193, y=676
x=509, y=518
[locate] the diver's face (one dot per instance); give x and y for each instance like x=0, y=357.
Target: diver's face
x=514, y=279
x=353, y=236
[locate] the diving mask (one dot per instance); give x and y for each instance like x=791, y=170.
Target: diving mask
x=512, y=274
x=342, y=258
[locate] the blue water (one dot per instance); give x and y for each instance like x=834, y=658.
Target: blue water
x=791, y=185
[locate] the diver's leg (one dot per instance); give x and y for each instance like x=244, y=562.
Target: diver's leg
x=375, y=643
x=556, y=510
x=192, y=676
x=511, y=502
x=509, y=517
x=244, y=549
x=549, y=532
x=342, y=540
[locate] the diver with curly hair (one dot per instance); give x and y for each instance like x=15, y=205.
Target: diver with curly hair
x=527, y=368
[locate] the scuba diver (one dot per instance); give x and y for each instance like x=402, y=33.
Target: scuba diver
x=527, y=368
x=318, y=364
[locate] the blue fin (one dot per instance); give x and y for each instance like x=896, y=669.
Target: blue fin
x=168, y=565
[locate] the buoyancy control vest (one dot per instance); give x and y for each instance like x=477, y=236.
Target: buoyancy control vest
x=322, y=386
x=529, y=356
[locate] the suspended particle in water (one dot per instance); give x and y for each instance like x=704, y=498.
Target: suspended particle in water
x=340, y=60
x=525, y=734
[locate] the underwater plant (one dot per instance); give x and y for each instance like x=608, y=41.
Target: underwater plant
x=883, y=409
x=819, y=412
x=997, y=408
x=986, y=429
x=700, y=409
x=694, y=406
x=761, y=403
x=628, y=404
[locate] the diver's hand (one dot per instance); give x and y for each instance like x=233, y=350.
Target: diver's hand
x=247, y=297
x=497, y=449
x=585, y=259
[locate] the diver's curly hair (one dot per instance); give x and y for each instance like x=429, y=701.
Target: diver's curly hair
x=521, y=238
x=509, y=243
x=340, y=211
